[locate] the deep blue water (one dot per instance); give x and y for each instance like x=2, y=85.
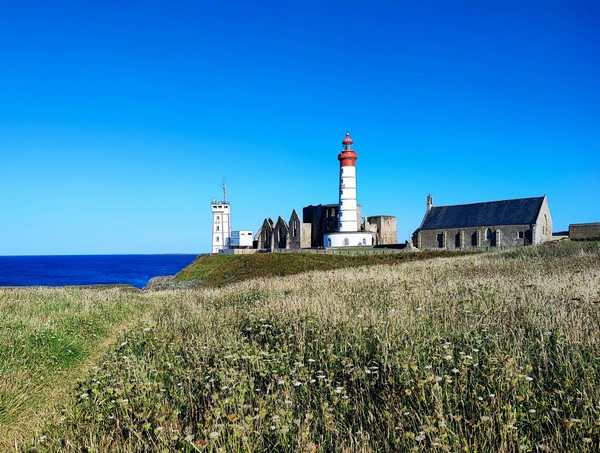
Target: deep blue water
x=65, y=270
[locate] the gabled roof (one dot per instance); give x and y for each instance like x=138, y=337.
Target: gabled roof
x=505, y=212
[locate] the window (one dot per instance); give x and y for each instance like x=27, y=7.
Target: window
x=440, y=240
x=217, y=239
x=217, y=227
x=521, y=234
x=364, y=241
x=346, y=242
x=492, y=237
x=475, y=239
x=457, y=241
x=218, y=218
x=328, y=242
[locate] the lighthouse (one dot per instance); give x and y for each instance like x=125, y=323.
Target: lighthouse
x=348, y=233
x=347, y=211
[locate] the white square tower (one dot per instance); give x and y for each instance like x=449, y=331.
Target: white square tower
x=221, y=231
x=221, y=228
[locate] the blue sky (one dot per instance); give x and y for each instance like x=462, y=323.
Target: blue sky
x=119, y=120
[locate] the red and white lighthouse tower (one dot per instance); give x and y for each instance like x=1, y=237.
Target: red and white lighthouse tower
x=349, y=233
x=348, y=219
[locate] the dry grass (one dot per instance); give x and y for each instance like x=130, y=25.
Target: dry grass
x=493, y=352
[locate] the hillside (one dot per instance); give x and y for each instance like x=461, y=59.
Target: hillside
x=219, y=270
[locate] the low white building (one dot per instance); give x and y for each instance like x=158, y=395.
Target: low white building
x=241, y=239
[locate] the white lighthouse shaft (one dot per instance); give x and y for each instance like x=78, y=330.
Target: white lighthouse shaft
x=348, y=220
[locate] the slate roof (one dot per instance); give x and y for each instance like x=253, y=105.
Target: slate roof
x=505, y=212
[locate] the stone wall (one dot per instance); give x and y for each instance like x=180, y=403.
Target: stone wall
x=584, y=231
x=281, y=234
x=296, y=233
x=385, y=228
x=460, y=238
x=264, y=235
x=543, y=228
x=305, y=235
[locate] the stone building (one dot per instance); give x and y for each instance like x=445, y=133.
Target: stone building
x=384, y=227
x=517, y=222
x=323, y=219
x=316, y=222
x=584, y=231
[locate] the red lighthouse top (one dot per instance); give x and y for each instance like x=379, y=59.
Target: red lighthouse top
x=347, y=157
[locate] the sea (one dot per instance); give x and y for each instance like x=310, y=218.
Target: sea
x=68, y=270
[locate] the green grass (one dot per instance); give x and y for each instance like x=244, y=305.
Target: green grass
x=219, y=270
x=490, y=352
x=45, y=336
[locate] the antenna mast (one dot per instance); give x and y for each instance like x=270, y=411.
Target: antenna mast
x=224, y=187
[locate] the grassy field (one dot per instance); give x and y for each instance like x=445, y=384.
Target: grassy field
x=489, y=352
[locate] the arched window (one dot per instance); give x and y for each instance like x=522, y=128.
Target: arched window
x=346, y=242
x=328, y=242
x=217, y=227
x=489, y=234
